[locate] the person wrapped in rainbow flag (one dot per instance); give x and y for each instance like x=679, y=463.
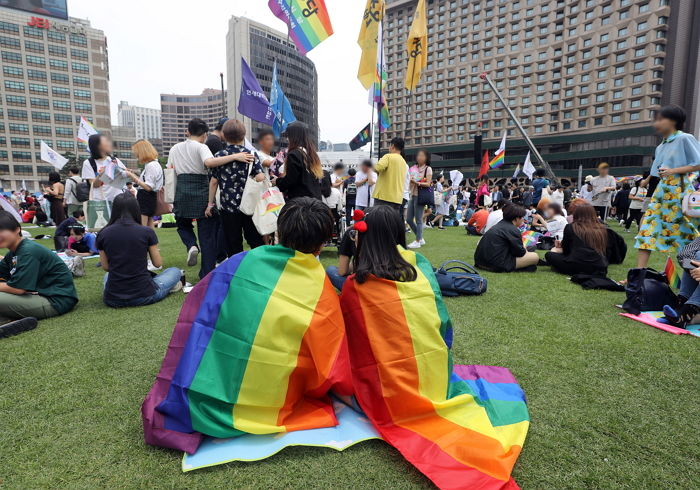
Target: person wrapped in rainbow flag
x=261, y=342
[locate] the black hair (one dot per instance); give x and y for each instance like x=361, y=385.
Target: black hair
x=197, y=127
x=125, y=206
x=513, y=212
x=299, y=136
x=626, y=186
x=556, y=207
x=9, y=222
x=398, y=143
x=326, y=186
x=503, y=203
x=377, y=252
x=367, y=163
x=77, y=229
x=427, y=156
x=339, y=166
x=78, y=214
x=73, y=170
x=54, y=177
x=94, y=142
x=352, y=172
x=540, y=172
x=265, y=132
x=305, y=224
x=674, y=113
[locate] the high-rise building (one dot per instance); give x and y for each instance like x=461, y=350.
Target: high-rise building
x=144, y=120
x=584, y=77
x=261, y=47
x=53, y=72
x=178, y=110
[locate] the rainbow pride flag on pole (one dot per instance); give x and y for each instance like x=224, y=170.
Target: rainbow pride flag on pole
x=308, y=22
x=673, y=274
x=498, y=160
x=259, y=344
x=461, y=427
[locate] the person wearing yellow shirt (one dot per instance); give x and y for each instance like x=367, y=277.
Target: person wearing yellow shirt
x=392, y=171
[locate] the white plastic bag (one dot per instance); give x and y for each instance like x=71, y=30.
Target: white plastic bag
x=268, y=209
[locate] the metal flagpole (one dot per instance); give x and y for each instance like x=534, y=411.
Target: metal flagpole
x=223, y=96
x=371, y=128
x=381, y=104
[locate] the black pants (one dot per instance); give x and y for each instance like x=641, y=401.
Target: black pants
x=635, y=215
x=207, y=231
x=601, y=211
x=235, y=226
x=349, y=209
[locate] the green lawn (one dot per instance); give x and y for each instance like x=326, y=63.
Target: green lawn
x=613, y=404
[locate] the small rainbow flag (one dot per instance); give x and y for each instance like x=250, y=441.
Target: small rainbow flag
x=245, y=359
x=498, y=160
x=461, y=427
x=307, y=21
x=530, y=238
x=672, y=273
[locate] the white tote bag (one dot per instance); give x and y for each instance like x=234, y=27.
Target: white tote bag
x=170, y=183
x=251, y=194
x=268, y=209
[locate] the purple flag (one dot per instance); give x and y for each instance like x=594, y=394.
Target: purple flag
x=253, y=102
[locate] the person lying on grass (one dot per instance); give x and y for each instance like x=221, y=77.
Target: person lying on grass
x=81, y=243
x=501, y=249
x=34, y=281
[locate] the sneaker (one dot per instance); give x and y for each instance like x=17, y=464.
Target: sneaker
x=151, y=267
x=18, y=326
x=422, y=242
x=192, y=256
x=414, y=244
x=180, y=284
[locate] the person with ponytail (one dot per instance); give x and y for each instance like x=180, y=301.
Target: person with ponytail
x=303, y=171
x=584, y=246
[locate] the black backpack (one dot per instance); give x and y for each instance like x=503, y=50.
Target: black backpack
x=351, y=188
x=648, y=290
x=82, y=189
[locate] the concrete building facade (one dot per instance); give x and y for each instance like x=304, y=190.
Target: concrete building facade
x=53, y=72
x=178, y=110
x=145, y=120
x=584, y=77
x=261, y=46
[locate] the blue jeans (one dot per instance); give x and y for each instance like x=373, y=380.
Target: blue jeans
x=208, y=231
x=163, y=282
x=415, y=217
x=690, y=288
x=336, y=279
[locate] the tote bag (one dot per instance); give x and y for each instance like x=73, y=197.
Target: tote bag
x=251, y=194
x=268, y=209
x=169, y=185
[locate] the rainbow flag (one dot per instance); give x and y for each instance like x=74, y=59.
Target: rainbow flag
x=259, y=344
x=461, y=427
x=673, y=274
x=498, y=160
x=308, y=23
x=530, y=238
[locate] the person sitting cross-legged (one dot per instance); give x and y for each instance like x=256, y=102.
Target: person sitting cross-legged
x=501, y=249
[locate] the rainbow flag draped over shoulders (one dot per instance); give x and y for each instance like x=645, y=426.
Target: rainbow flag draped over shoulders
x=307, y=21
x=259, y=344
x=461, y=427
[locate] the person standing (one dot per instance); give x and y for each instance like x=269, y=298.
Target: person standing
x=70, y=194
x=103, y=187
x=442, y=209
x=539, y=184
x=303, y=171
x=391, y=170
x=421, y=177
x=637, y=196
x=266, y=145
x=54, y=193
x=603, y=187
x=350, y=195
x=190, y=159
x=150, y=181
x=364, y=180
x=215, y=141
x=677, y=160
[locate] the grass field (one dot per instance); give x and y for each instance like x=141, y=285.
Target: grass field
x=613, y=404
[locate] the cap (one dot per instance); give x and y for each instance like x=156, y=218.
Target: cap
x=588, y=178
x=221, y=123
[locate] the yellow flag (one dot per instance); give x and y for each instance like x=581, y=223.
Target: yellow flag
x=374, y=13
x=417, y=46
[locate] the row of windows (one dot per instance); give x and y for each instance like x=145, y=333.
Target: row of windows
x=17, y=72
x=12, y=42
x=16, y=86
x=59, y=105
x=11, y=57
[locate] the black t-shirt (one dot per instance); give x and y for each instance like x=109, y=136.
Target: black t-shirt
x=499, y=247
x=350, y=190
x=126, y=244
x=215, y=144
x=347, y=244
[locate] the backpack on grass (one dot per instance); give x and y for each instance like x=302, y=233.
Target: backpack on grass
x=457, y=278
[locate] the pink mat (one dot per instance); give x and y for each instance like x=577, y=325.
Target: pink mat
x=652, y=321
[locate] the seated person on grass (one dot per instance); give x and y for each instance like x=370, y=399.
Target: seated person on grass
x=399, y=338
x=346, y=251
x=551, y=221
x=124, y=246
x=258, y=345
x=502, y=249
x=34, y=281
x=81, y=243
x=477, y=222
x=689, y=296
x=60, y=237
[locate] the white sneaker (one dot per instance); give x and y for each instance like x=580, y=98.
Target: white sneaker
x=192, y=255
x=414, y=244
x=153, y=268
x=422, y=242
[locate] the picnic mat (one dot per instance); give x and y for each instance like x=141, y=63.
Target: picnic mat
x=353, y=427
x=651, y=318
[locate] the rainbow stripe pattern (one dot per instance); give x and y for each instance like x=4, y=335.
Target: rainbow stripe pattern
x=461, y=427
x=259, y=344
x=307, y=21
x=672, y=273
x=531, y=238
x=498, y=160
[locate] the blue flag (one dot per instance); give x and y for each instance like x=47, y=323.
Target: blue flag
x=253, y=102
x=280, y=106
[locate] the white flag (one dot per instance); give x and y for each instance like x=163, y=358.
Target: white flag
x=456, y=177
x=502, y=148
x=517, y=172
x=528, y=167
x=85, y=130
x=5, y=205
x=24, y=186
x=53, y=157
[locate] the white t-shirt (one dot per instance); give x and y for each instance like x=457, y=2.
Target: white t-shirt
x=334, y=200
x=188, y=157
x=407, y=187
x=152, y=175
x=634, y=204
x=556, y=226
x=364, y=192
x=558, y=197
x=69, y=193
x=587, y=195
x=112, y=187
x=495, y=217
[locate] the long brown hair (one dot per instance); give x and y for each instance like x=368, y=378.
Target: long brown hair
x=298, y=136
x=588, y=228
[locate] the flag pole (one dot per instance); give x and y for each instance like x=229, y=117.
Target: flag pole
x=223, y=96
x=381, y=104
x=371, y=127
